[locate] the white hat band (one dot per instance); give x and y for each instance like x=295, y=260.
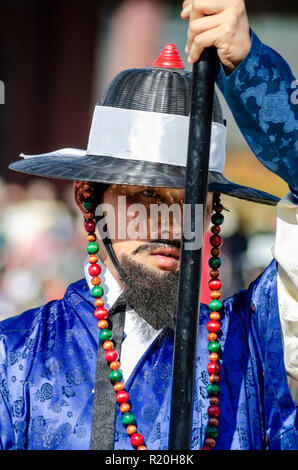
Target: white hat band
x=149, y=136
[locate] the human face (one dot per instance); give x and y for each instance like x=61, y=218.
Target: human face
x=160, y=254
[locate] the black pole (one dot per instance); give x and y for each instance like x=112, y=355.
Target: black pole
x=196, y=187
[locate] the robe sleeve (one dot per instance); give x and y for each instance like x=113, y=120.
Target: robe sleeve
x=262, y=95
x=286, y=254
x=7, y=440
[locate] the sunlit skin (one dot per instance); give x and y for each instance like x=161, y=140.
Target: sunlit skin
x=220, y=23
x=163, y=259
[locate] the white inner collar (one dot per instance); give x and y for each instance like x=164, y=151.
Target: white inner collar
x=136, y=342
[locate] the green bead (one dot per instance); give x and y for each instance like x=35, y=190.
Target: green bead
x=88, y=205
x=215, y=305
x=97, y=291
x=92, y=248
x=105, y=334
x=213, y=389
x=212, y=431
x=217, y=219
x=213, y=347
x=115, y=376
x=128, y=418
x=214, y=262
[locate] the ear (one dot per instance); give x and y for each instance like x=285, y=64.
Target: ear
x=209, y=206
x=79, y=195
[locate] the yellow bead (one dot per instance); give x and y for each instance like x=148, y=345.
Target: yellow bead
x=108, y=345
x=91, y=237
x=214, y=316
x=213, y=357
x=114, y=365
x=212, y=337
x=124, y=407
x=102, y=324
x=118, y=386
x=95, y=280
x=93, y=259
x=215, y=294
x=131, y=429
x=99, y=302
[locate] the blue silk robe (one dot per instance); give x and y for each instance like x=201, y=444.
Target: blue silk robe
x=48, y=369
x=48, y=355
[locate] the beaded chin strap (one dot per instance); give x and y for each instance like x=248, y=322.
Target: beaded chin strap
x=213, y=326
x=105, y=334
x=102, y=314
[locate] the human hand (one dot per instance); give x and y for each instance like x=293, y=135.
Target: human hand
x=220, y=23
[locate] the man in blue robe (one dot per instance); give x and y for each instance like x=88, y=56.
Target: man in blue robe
x=48, y=354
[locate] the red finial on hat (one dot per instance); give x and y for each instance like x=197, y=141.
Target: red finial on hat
x=169, y=58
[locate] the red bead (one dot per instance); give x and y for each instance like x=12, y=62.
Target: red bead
x=101, y=313
x=205, y=448
x=94, y=270
x=215, y=241
x=214, y=284
x=122, y=397
x=137, y=439
x=89, y=226
x=111, y=355
x=213, y=326
x=213, y=368
x=214, y=410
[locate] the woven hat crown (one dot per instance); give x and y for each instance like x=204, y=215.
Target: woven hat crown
x=157, y=90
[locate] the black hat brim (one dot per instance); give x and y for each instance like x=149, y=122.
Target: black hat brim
x=111, y=170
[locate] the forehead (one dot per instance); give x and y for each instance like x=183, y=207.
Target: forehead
x=117, y=189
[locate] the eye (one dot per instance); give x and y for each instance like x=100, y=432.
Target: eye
x=149, y=193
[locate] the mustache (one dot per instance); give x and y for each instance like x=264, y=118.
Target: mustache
x=156, y=244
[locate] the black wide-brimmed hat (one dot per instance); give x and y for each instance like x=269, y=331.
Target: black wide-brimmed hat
x=139, y=136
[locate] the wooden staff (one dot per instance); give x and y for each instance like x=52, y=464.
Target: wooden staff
x=196, y=187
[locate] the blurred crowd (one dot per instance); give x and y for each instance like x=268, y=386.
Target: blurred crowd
x=42, y=245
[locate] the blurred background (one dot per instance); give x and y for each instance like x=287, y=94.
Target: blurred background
x=56, y=58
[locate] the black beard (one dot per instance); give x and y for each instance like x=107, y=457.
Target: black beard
x=152, y=296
